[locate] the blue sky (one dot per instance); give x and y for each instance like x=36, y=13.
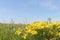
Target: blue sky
x=30, y=10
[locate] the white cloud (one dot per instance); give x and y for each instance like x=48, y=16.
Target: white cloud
x=49, y=4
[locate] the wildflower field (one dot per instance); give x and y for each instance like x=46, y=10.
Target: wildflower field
x=32, y=31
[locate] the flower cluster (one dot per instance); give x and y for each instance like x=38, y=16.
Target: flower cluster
x=41, y=31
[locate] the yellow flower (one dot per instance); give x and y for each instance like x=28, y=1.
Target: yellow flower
x=53, y=39
x=58, y=34
x=18, y=32
x=50, y=32
x=33, y=32
x=42, y=27
x=37, y=25
x=25, y=35
x=28, y=30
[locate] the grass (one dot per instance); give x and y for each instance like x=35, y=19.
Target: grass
x=7, y=30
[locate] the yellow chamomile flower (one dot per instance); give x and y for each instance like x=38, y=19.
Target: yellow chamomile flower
x=58, y=34
x=18, y=32
x=24, y=35
x=53, y=39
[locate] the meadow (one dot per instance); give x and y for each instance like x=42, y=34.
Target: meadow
x=7, y=31
x=40, y=30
